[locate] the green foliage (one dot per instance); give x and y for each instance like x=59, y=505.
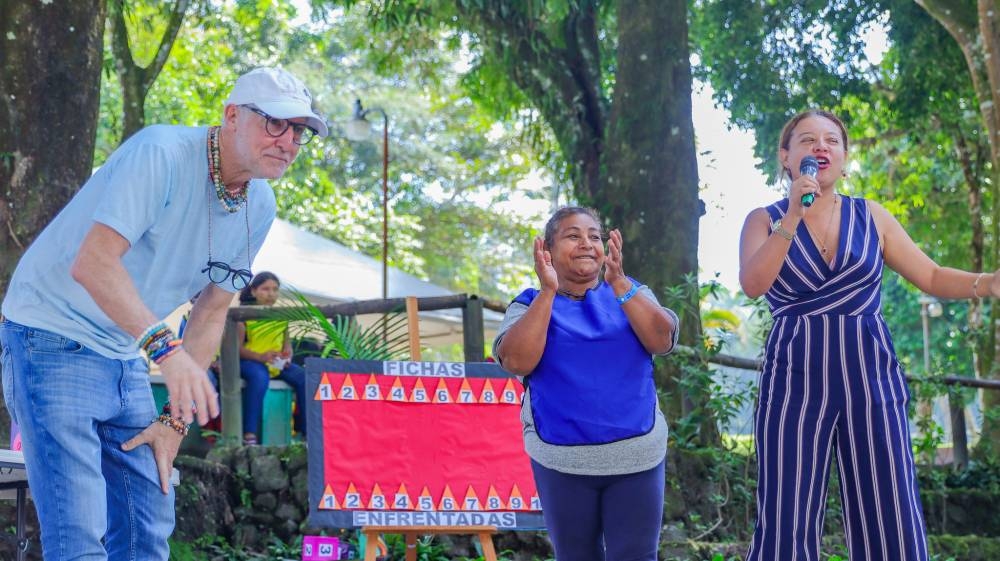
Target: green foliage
x=917, y=141
x=342, y=337
x=216, y=43
x=456, y=174
x=183, y=551
x=697, y=426
x=769, y=60
x=217, y=548
x=427, y=549
x=246, y=497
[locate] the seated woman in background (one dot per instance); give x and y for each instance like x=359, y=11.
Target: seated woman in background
x=266, y=353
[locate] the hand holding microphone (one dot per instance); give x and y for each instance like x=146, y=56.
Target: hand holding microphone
x=808, y=166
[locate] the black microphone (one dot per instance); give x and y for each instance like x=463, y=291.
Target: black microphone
x=808, y=166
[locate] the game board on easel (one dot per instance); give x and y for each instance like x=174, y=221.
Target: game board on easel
x=417, y=444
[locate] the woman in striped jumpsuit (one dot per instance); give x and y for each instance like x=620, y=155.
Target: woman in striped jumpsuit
x=830, y=381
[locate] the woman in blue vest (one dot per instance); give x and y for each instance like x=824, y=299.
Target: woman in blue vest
x=584, y=345
x=830, y=381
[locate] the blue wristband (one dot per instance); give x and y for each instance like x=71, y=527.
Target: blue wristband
x=628, y=295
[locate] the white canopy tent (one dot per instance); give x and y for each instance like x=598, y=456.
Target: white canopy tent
x=328, y=272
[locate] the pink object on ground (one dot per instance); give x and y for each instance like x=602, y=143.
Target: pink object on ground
x=320, y=548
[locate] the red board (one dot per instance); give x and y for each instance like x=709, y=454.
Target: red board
x=443, y=446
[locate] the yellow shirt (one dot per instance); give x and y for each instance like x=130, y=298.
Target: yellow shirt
x=265, y=336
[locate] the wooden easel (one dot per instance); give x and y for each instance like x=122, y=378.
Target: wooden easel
x=372, y=533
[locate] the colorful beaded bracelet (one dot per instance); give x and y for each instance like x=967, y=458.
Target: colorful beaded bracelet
x=152, y=331
x=176, y=424
x=159, y=342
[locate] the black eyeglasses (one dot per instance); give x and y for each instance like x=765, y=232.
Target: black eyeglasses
x=219, y=272
x=301, y=134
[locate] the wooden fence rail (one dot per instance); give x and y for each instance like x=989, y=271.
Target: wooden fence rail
x=755, y=364
x=231, y=389
x=473, y=343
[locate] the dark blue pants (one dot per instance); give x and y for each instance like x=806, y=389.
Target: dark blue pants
x=598, y=517
x=257, y=379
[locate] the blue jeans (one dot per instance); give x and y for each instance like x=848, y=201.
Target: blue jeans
x=75, y=408
x=258, y=378
x=598, y=517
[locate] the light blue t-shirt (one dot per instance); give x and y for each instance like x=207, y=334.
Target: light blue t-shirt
x=154, y=191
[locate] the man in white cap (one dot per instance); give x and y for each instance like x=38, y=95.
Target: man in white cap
x=175, y=210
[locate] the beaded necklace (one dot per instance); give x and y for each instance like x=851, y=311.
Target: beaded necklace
x=575, y=295
x=232, y=202
x=246, y=216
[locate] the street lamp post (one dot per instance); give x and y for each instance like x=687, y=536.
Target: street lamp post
x=359, y=128
x=930, y=307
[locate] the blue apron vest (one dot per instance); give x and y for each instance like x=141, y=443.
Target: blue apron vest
x=594, y=382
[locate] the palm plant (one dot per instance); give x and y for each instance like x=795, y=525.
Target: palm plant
x=343, y=336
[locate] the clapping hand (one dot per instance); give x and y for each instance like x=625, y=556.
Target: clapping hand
x=547, y=276
x=613, y=271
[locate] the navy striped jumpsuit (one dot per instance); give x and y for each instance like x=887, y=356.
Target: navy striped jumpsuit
x=831, y=382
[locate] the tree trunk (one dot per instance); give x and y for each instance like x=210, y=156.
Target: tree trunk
x=50, y=86
x=137, y=80
x=976, y=30
x=562, y=77
x=637, y=165
x=965, y=156
x=650, y=189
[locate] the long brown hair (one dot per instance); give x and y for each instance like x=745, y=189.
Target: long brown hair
x=246, y=294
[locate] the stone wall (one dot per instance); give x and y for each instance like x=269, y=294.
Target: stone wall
x=246, y=494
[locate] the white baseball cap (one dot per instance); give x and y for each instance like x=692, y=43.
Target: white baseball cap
x=277, y=93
